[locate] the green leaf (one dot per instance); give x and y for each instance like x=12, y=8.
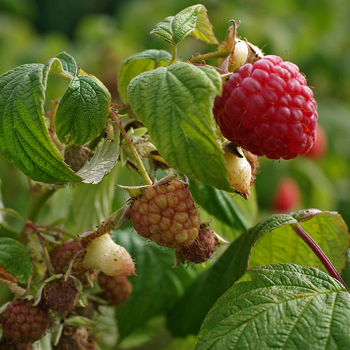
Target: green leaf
x=175, y=105
x=82, y=112
x=328, y=229
x=68, y=63
x=204, y=29
x=175, y=28
x=156, y=281
x=281, y=306
x=137, y=64
x=15, y=263
x=93, y=204
x=24, y=139
x=189, y=312
x=224, y=206
x=103, y=161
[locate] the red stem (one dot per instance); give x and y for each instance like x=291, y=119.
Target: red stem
x=319, y=253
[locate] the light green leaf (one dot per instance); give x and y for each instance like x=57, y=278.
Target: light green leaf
x=24, y=139
x=93, y=204
x=176, y=28
x=156, y=280
x=82, y=112
x=175, y=105
x=204, y=29
x=282, y=306
x=189, y=312
x=137, y=64
x=282, y=245
x=15, y=263
x=103, y=161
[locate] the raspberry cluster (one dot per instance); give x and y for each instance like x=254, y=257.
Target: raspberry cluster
x=268, y=109
x=165, y=213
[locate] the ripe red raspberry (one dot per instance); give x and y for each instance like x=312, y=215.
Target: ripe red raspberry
x=166, y=214
x=62, y=254
x=116, y=289
x=287, y=196
x=24, y=323
x=201, y=249
x=268, y=109
x=60, y=296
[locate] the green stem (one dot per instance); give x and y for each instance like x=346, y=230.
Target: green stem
x=209, y=56
x=173, y=58
x=140, y=165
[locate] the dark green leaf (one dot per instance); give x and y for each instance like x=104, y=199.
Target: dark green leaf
x=175, y=105
x=137, y=64
x=68, y=63
x=282, y=306
x=176, y=28
x=189, y=312
x=14, y=260
x=24, y=139
x=82, y=112
x=157, y=285
x=223, y=206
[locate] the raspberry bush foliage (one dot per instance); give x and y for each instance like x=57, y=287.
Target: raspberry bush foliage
x=142, y=226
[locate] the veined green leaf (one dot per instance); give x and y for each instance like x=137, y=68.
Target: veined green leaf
x=204, y=29
x=189, y=312
x=175, y=105
x=176, y=28
x=282, y=306
x=82, y=112
x=24, y=139
x=137, y=64
x=15, y=263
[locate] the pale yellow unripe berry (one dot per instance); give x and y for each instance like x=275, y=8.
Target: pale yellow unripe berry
x=112, y=259
x=239, y=173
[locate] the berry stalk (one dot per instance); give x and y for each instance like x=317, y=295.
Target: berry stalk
x=141, y=167
x=319, y=253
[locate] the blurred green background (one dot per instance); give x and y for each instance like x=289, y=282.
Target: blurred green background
x=100, y=34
